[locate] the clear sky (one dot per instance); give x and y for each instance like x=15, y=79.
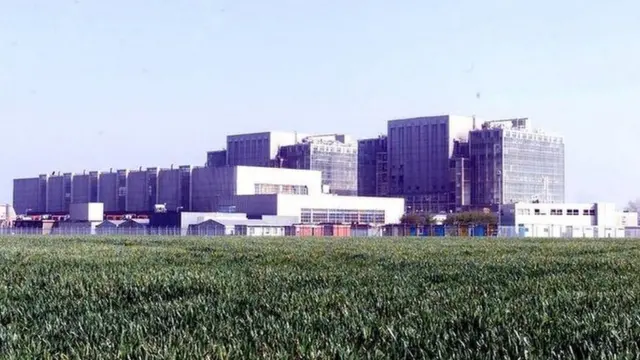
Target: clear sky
x=95, y=84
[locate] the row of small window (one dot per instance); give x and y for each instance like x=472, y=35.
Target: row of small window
x=341, y=216
x=337, y=149
x=261, y=189
x=572, y=212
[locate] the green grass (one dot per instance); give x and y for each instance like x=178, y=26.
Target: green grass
x=91, y=298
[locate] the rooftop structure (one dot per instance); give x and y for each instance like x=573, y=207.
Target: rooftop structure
x=335, y=156
x=257, y=149
x=216, y=158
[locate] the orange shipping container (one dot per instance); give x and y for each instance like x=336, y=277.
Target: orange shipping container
x=337, y=230
x=308, y=230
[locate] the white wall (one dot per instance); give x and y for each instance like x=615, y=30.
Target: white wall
x=604, y=223
x=291, y=205
x=606, y=214
x=525, y=213
x=248, y=176
x=627, y=219
x=86, y=212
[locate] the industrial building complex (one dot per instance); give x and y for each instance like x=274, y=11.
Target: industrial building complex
x=272, y=180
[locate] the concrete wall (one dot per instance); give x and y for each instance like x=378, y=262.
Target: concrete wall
x=85, y=188
x=212, y=187
x=55, y=194
x=588, y=215
x=26, y=196
x=169, y=188
x=108, y=191
x=142, y=190
x=87, y=212
x=257, y=205
x=217, y=158
x=369, y=154
x=419, y=153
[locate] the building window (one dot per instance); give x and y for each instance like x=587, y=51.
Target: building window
x=262, y=189
x=536, y=212
x=592, y=212
x=585, y=212
x=342, y=216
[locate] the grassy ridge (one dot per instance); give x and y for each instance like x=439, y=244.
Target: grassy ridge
x=283, y=298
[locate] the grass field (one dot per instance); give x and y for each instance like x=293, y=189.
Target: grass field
x=325, y=298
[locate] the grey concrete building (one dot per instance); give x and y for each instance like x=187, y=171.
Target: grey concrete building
x=217, y=158
x=514, y=163
x=373, y=177
x=336, y=156
x=85, y=188
x=142, y=190
x=112, y=191
x=174, y=188
x=108, y=190
x=419, y=154
x=59, y=188
x=30, y=195
x=257, y=149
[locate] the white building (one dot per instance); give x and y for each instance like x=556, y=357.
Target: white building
x=324, y=208
x=565, y=220
x=261, y=191
x=214, y=188
x=7, y=215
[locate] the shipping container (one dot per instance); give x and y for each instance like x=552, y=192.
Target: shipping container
x=337, y=230
x=308, y=230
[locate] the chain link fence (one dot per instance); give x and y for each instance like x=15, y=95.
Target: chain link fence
x=531, y=231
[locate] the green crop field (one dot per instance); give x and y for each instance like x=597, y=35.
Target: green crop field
x=91, y=298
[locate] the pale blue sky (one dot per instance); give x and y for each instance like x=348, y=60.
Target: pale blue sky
x=94, y=84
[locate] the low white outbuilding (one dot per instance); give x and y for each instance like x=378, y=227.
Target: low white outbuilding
x=599, y=220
